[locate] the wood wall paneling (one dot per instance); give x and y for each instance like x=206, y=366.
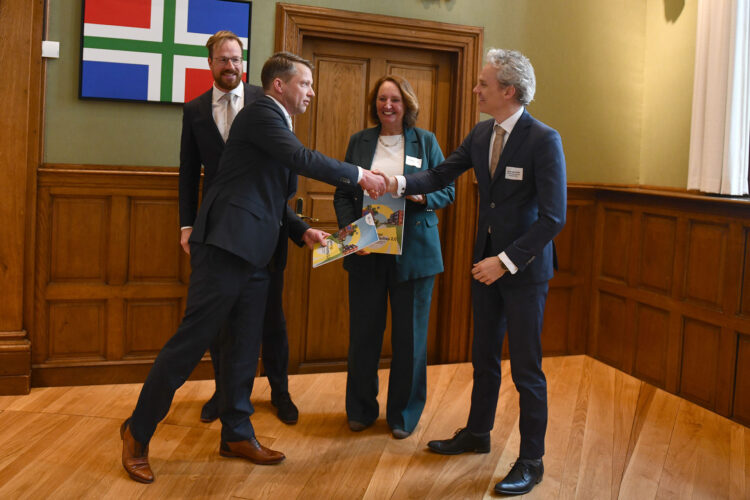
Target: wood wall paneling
x=612, y=330
x=703, y=280
x=557, y=314
x=700, y=353
x=76, y=330
x=21, y=90
x=651, y=344
x=148, y=326
x=616, y=239
x=153, y=255
x=745, y=291
x=741, y=404
x=657, y=252
x=111, y=277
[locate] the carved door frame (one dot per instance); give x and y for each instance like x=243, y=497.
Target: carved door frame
x=295, y=22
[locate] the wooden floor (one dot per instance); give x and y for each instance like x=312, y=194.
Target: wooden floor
x=609, y=436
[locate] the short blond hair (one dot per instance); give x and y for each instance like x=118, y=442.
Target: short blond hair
x=218, y=38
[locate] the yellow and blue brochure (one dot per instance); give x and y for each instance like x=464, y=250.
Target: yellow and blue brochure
x=388, y=213
x=357, y=236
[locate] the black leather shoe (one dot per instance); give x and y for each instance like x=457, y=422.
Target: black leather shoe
x=210, y=410
x=523, y=476
x=461, y=442
x=287, y=410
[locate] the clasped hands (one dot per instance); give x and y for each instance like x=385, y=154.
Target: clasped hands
x=377, y=183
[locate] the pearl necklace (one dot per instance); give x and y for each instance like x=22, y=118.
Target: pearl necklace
x=392, y=144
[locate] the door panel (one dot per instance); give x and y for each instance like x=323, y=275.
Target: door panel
x=316, y=301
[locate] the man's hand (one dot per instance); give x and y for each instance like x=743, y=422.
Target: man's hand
x=417, y=198
x=391, y=184
x=373, y=183
x=313, y=236
x=184, y=237
x=488, y=270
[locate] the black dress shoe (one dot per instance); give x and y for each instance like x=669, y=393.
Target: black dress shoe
x=210, y=410
x=287, y=410
x=461, y=442
x=523, y=476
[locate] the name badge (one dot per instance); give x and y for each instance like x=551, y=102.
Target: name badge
x=414, y=162
x=514, y=173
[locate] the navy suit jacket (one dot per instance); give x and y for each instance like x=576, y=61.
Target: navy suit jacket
x=421, y=255
x=524, y=212
x=202, y=144
x=245, y=206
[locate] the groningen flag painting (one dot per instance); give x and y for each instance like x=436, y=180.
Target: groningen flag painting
x=154, y=50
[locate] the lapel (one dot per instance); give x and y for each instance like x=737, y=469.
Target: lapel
x=246, y=91
x=369, y=144
x=515, y=139
x=411, y=148
x=207, y=116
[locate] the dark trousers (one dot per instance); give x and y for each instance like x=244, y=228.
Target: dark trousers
x=520, y=310
x=224, y=290
x=275, y=347
x=369, y=289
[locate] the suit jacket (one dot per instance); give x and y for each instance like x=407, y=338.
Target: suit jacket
x=524, y=203
x=202, y=144
x=245, y=206
x=421, y=255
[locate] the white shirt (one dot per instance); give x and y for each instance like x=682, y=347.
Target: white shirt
x=219, y=105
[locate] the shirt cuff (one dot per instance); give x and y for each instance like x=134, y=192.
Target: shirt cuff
x=186, y=227
x=508, y=263
x=359, y=174
x=401, y=186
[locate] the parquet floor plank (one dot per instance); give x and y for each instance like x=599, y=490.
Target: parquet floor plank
x=609, y=436
x=649, y=443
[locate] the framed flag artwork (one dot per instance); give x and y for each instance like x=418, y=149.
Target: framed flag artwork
x=154, y=50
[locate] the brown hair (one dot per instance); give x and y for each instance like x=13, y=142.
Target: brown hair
x=411, y=105
x=219, y=38
x=281, y=65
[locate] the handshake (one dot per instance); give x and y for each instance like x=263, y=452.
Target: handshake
x=377, y=183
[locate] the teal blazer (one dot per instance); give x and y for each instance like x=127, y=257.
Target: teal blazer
x=421, y=255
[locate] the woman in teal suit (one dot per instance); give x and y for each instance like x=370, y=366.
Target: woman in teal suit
x=394, y=146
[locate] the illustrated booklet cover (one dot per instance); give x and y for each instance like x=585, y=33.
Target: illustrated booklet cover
x=388, y=213
x=357, y=236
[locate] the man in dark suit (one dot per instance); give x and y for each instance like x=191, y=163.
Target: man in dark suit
x=206, y=122
x=232, y=244
x=520, y=170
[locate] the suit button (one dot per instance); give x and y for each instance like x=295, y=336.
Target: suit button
x=492, y=205
x=281, y=223
x=419, y=222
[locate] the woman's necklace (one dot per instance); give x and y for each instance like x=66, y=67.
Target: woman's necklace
x=388, y=144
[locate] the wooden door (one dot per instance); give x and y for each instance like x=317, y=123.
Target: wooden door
x=316, y=301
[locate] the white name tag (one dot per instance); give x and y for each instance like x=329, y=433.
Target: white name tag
x=414, y=162
x=514, y=173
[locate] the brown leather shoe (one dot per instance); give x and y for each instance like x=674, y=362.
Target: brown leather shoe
x=252, y=450
x=135, y=456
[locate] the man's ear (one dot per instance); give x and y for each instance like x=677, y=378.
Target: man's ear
x=510, y=92
x=277, y=85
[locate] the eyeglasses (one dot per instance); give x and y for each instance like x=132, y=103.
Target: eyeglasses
x=223, y=60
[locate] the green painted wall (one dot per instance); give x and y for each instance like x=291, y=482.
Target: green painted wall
x=614, y=77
